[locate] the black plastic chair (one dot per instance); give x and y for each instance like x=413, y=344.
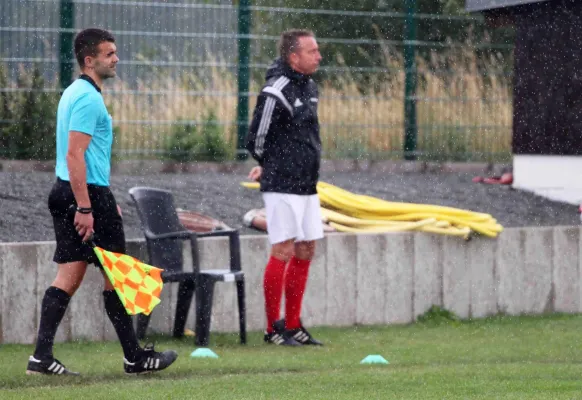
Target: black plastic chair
x=164, y=235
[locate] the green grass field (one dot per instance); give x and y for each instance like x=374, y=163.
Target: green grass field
x=498, y=358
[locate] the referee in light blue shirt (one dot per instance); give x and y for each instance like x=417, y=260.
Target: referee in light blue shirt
x=82, y=205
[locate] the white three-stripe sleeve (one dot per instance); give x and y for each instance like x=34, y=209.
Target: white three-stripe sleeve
x=275, y=91
x=273, y=96
x=264, y=125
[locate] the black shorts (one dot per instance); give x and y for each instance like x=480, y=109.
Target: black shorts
x=108, y=225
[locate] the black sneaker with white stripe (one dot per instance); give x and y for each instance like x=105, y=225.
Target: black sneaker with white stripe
x=150, y=361
x=280, y=337
x=300, y=334
x=47, y=367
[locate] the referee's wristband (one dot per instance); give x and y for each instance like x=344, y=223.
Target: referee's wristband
x=87, y=210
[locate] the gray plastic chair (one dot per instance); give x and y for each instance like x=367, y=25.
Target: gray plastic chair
x=164, y=235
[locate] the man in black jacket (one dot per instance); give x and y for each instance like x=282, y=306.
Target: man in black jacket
x=284, y=139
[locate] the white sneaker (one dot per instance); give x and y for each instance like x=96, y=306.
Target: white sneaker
x=249, y=216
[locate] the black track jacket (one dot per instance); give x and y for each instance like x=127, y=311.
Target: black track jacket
x=284, y=133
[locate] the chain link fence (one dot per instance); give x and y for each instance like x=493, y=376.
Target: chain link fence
x=393, y=85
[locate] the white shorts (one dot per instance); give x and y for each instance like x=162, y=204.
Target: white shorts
x=292, y=216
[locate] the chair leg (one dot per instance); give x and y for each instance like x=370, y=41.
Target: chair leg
x=142, y=325
x=204, y=297
x=185, y=294
x=240, y=292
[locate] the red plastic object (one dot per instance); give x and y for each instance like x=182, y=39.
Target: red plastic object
x=506, y=179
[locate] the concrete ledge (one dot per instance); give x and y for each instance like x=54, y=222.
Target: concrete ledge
x=121, y=167
x=354, y=279
x=428, y=272
x=26, y=166
x=483, y=286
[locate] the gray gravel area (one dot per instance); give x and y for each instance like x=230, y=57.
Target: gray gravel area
x=24, y=215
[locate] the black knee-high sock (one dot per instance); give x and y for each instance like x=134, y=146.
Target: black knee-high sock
x=123, y=325
x=54, y=305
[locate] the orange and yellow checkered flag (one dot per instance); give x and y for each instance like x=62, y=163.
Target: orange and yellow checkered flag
x=138, y=285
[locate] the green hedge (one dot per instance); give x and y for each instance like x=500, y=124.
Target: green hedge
x=27, y=117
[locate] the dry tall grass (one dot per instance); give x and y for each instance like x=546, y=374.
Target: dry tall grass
x=461, y=114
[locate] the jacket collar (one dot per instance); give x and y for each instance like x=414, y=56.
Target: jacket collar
x=294, y=75
x=280, y=67
x=91, y=81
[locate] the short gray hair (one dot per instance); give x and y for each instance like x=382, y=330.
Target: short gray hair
x=289, y=41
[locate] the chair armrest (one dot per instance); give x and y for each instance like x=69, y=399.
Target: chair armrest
x=226, y=232
x=233, y=243
x=170, y=235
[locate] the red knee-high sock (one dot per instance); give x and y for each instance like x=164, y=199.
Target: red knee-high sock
x=295, y=282
x=273, y=282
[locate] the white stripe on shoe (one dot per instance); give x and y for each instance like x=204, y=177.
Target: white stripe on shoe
x=277, y=338
x=301, y=337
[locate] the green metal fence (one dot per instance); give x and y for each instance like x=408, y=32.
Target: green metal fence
x=393, y=85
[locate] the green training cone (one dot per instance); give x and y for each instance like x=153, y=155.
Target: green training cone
x=203, y=352
x=374, y=359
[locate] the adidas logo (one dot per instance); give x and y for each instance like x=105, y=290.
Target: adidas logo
x=55, y=367
x=277, y=339
x=297, y=103
x=151, y=363
x=301, y=337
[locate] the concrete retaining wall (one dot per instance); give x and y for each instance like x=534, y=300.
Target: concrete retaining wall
x=354, y=279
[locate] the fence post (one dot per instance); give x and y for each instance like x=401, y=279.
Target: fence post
x=410, y=126
x=244, y=51
x=67, y=21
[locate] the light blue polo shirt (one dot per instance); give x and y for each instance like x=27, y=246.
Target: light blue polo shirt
x=82, y=109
